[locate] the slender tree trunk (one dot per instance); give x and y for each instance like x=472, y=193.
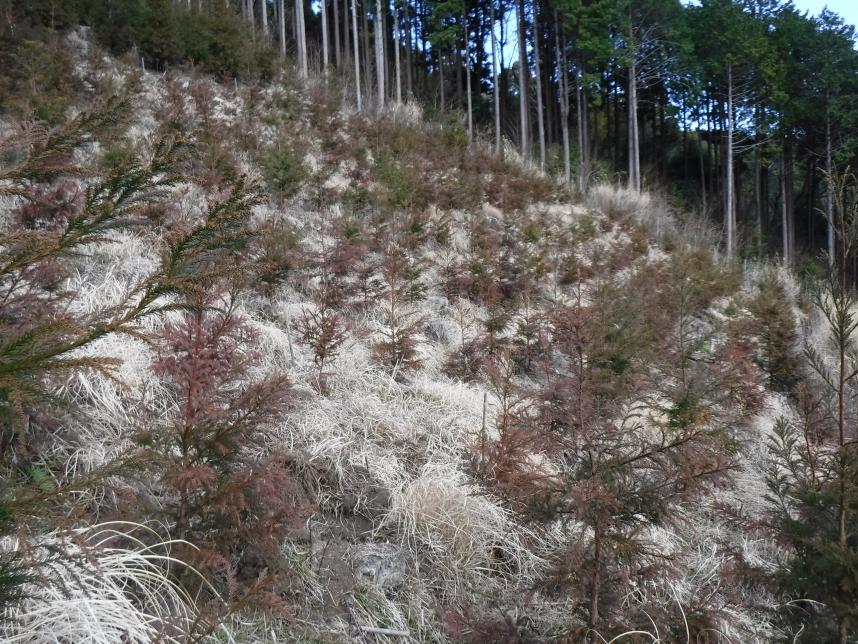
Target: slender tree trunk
x=385, y=49
x=789, y=202
x=281, y=18
x=522, y=81
x=337, y=44
x=766, y=217
x=367, y=57
x=700, y=157
x=263, y=14
x=596, y=580
x=458, y=68
x=347, y=47
x=758, y=173
x=842, y=344
x=421, y=64
x=409, y=80
x=634, y=133
x=356, y=54
x=396, y=48
x=325, y=44
x=810, y=190
x=582, y=133
x=785, y=211
x=563, y=81
x=829, y=200
x=379, y=54
x=468, y=79
x=662, y=129
x=550, y=91
x=302, y=39
x=441, y=79
x=729, y=195
x=539, y=112
x=611, y=135
x=496, y=86
x=684, y=117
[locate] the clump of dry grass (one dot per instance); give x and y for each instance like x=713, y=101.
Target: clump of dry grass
x=103, y=585
x=467, y=535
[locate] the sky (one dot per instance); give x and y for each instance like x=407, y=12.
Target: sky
x=848, y=9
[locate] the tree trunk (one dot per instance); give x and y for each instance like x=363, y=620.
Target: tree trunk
x=396, y=47
x=441, y=79
x=785, y=210
x=789, y=202
x=356, y=54
x=264, y=18
x=582, y=132
x=758, y=173
x=409, y=80
x=302, y=39
x=468, y=80
x=379, y=54
x=347, y=48
x=337, y=44
x=729, y=194
x=563, y=80
x=702, y=171
x=281, y=18
x=829, y=197
x=385, y=48
x=596, y=580
x=550, y=91
x=522, y=81
x=496, y=86
x=458, y=68
x=325, y=53
x=539, y=115
x=634, y=133
x=367, y=57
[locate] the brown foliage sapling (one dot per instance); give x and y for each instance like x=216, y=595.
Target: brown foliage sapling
x=232, y=503
x=397, y=349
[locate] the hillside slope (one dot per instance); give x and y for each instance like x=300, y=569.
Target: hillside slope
x=424, y=393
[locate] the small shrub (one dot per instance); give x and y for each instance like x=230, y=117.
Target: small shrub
x=402, y=187
x=116, y=155
x=323, y=330
x=530, y=342
x=397, y=350
x=774, y=324
x=584, y=229
x=285, y=171
x=37, y=80
x=357, y=198
x=235, y=507
x=280, y=254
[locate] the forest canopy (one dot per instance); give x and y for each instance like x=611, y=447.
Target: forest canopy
x=738, y=107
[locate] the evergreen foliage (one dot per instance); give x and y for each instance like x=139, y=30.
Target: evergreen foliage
x=814, y=468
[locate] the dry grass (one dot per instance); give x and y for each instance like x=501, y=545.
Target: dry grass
x=89, y=589
x=392, y=453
